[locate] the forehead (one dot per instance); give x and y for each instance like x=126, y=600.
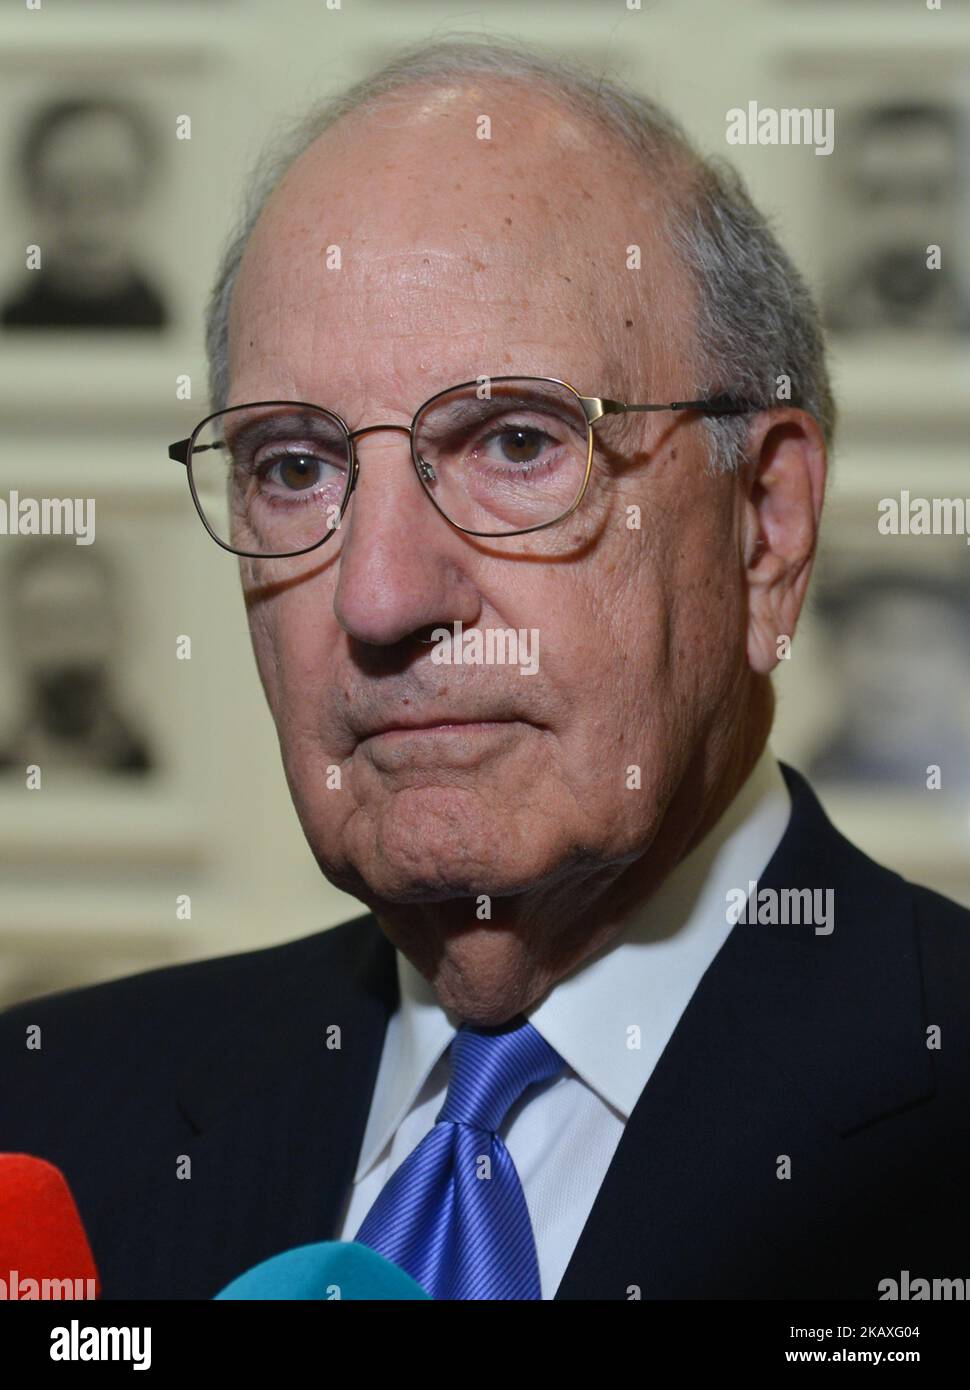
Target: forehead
x=451, y=233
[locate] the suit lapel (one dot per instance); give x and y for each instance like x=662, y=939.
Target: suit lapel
x=793, y=1043
x=273, y=1114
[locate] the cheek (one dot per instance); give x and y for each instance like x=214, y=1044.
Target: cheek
x=263, y=639
x=666, y=647
x=710, y=638
x=699, y=582
x=290, y=646
x=608, y=656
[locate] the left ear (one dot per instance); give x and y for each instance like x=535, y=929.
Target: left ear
x=784, y=490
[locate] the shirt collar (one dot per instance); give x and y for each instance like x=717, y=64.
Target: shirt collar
x=418, y=1033
x=611, y=1019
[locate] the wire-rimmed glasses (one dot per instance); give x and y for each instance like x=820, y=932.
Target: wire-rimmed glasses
x=498, y=456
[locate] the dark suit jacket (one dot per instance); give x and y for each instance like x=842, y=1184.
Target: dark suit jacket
x=795, y=1044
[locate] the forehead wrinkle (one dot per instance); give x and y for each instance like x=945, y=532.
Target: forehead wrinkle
x=414, y=299
x=561, y=273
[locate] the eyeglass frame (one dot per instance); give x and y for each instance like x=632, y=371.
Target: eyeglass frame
x=594, y=408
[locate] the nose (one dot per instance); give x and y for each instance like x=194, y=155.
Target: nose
x=402, y=567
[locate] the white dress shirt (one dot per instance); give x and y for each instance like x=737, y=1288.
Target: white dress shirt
x=610, y=1021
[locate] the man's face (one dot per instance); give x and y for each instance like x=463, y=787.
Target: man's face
x=461, y=258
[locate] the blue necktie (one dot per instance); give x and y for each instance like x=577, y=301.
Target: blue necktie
x=453, y=1214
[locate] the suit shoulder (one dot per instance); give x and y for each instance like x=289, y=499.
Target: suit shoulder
x=874, y=887
x=192, y=988
x=944, y=932
x=73, y=1062
x=939, y=911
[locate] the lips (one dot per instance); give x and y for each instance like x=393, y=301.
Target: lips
x=443, y=723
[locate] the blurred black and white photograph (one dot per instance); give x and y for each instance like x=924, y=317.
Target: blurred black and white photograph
x=897, y=217
x=896, y=642
x=103, y=201
x=88, y=171
x=67, y=613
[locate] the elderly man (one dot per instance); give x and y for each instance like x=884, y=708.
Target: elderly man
x=495, y=351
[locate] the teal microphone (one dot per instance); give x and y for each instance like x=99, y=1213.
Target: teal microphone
x=329, y=1271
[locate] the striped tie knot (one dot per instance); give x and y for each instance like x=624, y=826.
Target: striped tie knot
x=490, y=1069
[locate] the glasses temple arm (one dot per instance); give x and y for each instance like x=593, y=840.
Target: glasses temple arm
x=717, y=405
x=180, y=450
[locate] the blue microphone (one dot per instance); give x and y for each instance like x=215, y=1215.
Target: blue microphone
x=327, y=1271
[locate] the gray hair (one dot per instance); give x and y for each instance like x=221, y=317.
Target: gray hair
x=756, y=320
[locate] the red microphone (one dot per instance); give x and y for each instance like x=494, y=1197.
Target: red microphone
x=44, y=1252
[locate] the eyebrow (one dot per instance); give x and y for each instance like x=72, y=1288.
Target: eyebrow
x=254, y=432
x=453, y=414
x=509, y=399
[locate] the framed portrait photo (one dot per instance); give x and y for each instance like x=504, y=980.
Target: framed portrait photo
x=101, y=279
x=97, y=731
x=874, y=704
x=887, y=219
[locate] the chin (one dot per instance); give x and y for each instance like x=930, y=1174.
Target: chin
x=431, y=846
x=428, y=876
x=482, y=1014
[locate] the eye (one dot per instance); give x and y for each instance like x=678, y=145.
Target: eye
x=296, y=472
x=520, y=444
x=299, y=472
